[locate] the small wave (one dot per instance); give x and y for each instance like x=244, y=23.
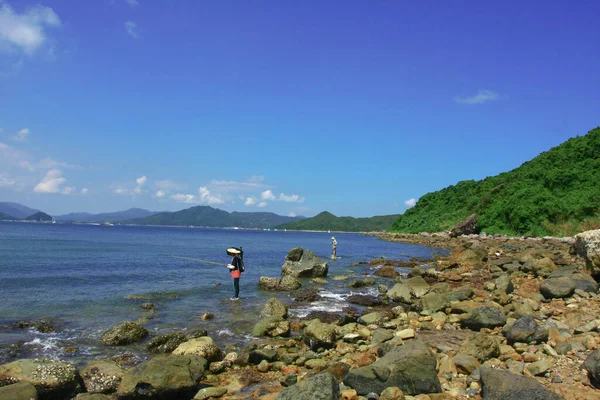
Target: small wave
x=225, y=332
x=334, y=296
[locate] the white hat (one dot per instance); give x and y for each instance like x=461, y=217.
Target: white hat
x=332, y=238
x=233, y=251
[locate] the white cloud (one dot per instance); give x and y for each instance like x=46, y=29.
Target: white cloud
x=50, y=163
x=206, y=197
x=294, y=198
x=22, y=135
x=250, y=201
x=141, y=181
x=483, y=96
x=120, y=190
x=410, y=202
x=184, y=198
x=268, y=195
x=132, y=29
x=262, y=204
x=133, y=3
x=254, y=182
x=6, y=181
x=50, y=183
x=69, y=190
x=84, y=191
x=26, y=31
x=160, y=194
x=292, y=214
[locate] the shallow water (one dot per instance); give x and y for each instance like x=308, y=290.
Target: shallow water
x=80, y=276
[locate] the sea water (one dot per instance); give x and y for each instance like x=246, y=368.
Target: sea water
x=88, y=278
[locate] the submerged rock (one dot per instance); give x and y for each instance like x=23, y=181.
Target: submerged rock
x=166, y=343
x=124, y=333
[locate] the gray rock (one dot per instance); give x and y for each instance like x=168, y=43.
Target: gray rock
x=526, y=330
x=483, y=317
x=504, y=284
x=502, y=385
x=554, y=288
x=18, y=391
x=124, y=333
x=163, y=377
x=274, y=310
x=587, y=245
x=210, y=393
x=433, y=302
x=540, y=268
x=166, y=343
x=410, y=367
x=285, y=284
x=462, y=293
x=202, y=347
x=401, y=292
x=256, y=356
x=481, y=346
x=319, y=335
x=592, y=366
x=318, y=387
x=466, y=364
x=467, y=227
x=364, y=300
x=101, y=376
x=374, y=318
x=51, y=378
x=308, y=265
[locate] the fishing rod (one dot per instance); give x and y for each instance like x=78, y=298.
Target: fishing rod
x=198, y=260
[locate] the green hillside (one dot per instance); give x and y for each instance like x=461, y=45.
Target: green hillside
x=4, y=216
x=556, y=193
x=39, y=216
x=327, y=221
x=213, y=217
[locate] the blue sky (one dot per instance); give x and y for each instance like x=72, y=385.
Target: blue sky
x=354, y=107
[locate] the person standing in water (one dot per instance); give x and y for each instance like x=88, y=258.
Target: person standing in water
x=334, y=247
x=236, y=267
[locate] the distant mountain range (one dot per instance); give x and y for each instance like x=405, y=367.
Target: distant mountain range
x=16, y=210
x=213, y=217
x=327, y=221
x=118, y=216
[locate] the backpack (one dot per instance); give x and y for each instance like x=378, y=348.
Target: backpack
x=241, y=266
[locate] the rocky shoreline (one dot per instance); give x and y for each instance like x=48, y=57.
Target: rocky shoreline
x=499, y=318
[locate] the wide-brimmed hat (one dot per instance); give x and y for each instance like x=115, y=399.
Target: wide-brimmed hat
x=332, y=237
x=234, y=251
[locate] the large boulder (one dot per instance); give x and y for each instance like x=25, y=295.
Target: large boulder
x=433, y=302
x=166, y=343
x=320, y=335
x=271, y=321
x=526, y=330
x=386, y=271
x=18, y=391
x=51, y=378
x=163, y=377
x=410, y=367
x=300, y=263
x=285, y=284
x=400, y=292
x=318, y=387
x=592, y=366
x=503, y=385
x=102, y=376
x=587, y=245
x=483, y=317
x=466, y=227
x=124, y=333
x=203, y=347
x=557, y=288
x=581, y=279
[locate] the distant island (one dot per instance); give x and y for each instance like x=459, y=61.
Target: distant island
x=118, y=216
x=212, y=217
x=556, y=193
x=327, y=221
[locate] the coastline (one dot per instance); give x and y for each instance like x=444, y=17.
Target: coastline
x=500, y=276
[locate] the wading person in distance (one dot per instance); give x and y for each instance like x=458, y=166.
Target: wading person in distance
x=236, y=267
x=334, y=247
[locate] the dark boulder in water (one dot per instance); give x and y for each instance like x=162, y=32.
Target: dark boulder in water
x=124, y=333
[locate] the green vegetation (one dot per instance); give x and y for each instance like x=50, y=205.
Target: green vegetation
x=556, y=193
x=213, y=217
x=327, y=221
x=39, y=216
